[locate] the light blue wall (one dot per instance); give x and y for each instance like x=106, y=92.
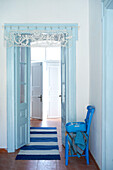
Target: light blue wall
x=95, y=77
x=101, y=83
x=109, y=88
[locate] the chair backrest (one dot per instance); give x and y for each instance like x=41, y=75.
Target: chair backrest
x=90, y=112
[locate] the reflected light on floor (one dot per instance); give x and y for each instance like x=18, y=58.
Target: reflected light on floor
x=44, y=123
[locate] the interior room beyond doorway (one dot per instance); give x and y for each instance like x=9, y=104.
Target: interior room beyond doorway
x=45, y=82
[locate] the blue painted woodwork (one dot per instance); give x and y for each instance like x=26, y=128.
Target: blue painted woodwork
x=72, y=78
x=22, y=101
x=108, y=4
x=69, y=111
x=41, y=25
x=90, y=112
x=68, y=61
x=63, y=92
x=29, y=80
x=10, y=100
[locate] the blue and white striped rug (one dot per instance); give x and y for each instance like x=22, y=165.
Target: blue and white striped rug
x=43, y=145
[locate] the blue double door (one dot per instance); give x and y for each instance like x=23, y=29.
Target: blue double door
x=22, y=95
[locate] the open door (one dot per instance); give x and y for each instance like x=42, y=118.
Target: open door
x=22, y=95
x=54, y=90
x=37, y=86
x=63, y=92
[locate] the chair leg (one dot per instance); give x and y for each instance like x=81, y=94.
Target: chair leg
x=71, y=151
x=87, y=154
x=66, y=150
x=65, y=147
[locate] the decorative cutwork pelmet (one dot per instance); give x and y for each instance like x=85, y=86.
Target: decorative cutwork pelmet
x=27, y=37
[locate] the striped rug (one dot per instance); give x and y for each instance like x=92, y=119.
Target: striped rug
x=43, y=145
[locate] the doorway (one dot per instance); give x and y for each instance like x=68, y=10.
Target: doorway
x=21, y=35
x=45, y=82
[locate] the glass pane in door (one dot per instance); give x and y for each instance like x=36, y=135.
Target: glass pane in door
x=23, y=94
x=23, y=55
x=23, y=73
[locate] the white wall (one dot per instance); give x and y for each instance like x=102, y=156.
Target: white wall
x=95, y=78
x=47, y=11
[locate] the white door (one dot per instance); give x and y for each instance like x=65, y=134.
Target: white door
x=54, y=90
x=63, y=92
x=37, y=90
x=22, y=97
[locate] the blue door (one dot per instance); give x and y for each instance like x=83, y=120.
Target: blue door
x=22, y=96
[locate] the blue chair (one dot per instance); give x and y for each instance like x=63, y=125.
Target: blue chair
x=72, y=128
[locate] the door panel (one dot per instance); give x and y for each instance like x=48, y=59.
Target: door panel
x=63, y=92
x=21, y=96
x=37, y=90
x=54, y=90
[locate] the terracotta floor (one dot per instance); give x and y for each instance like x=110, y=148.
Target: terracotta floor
x=8, y=162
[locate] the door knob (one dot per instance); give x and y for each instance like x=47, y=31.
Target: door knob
x=60, y=95
x=40, y=98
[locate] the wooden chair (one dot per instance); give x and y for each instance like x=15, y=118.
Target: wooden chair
x=83, y=127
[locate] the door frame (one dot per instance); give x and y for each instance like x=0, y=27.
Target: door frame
x=10, y=101
x=70, y=73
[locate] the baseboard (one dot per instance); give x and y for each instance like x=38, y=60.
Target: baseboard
x=3, y=150
x=94, y=160
x=53, y=117
x=35, y=118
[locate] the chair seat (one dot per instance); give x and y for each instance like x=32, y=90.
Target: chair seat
x=75, y=127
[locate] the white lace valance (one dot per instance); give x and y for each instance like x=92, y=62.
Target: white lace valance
x=26, y=36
